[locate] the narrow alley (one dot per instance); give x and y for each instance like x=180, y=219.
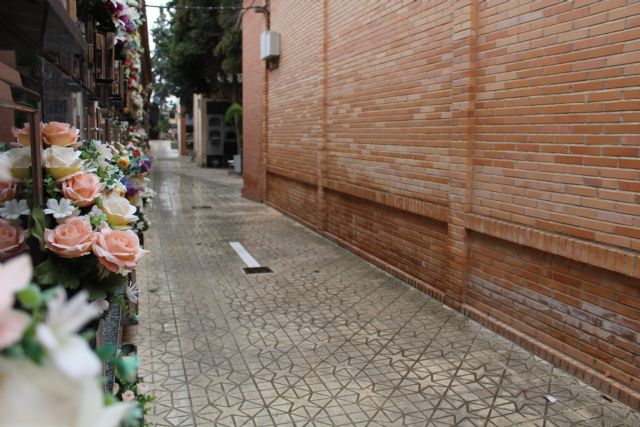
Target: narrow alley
x=325, y=339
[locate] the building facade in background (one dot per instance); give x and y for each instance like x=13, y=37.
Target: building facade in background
x=484, y=151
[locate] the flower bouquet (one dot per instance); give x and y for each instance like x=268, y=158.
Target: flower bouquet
x=83, y=247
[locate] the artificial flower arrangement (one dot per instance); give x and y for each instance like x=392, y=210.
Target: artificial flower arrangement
x=136, y=163
x=45, y=363
x=124, y=18
x=82, y=241
x=128, y=387
x=84, y=231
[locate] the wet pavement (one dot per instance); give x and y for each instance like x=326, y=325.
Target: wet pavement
x=326, y=339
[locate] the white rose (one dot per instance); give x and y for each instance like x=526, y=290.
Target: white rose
x=61, y=162
x=19, y=161
x=142, y=389
x=118, y=210
x=116, y=388
x=128, y=396
x=59, y=400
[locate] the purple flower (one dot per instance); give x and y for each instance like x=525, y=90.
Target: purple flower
x=145, y=165
x=132, y=189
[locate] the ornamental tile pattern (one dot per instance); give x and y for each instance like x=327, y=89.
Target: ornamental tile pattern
x=326, y=339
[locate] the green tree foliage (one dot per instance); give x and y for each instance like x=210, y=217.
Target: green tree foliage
x=234, y=115
x=163, y=85
x=197, y=50
x=229, y=48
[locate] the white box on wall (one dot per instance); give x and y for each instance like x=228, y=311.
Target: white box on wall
x=269, y=45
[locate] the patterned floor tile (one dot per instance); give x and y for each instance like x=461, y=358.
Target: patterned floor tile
x=324, y=340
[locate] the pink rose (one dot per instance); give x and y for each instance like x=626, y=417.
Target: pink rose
x=128, y=396
x=22, y=135
x=11, y=239
x=83, y=188
x=70, y=239
x=8, y=191
x=61, y=134
x=118, y=250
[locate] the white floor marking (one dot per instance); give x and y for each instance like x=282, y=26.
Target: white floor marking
x=244, y=254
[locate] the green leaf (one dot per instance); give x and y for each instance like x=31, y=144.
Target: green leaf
x=126, y=368
x=31, y=297
x=51, y=187
x=112, y=282
x=37, y=224
x=67, y=273
x=88, y=335
x=33, y=350
x=106, y=352
x=110, y=400
x=14, y=351
x=96, y=294
x=47, y=272
x=68, y=279
x=133, y=417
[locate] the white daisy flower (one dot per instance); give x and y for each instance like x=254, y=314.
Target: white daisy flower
x=132, y=293
x=95, y=211
x=104, y=152
x=61, y=209
x=13, y=209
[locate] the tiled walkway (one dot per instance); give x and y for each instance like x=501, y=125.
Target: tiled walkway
x=326, y=339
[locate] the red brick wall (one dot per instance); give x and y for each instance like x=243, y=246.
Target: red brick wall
x=295, y=104
x=485, y=151
x=585, y=312
x=298, y=198
x=373, y=228
x=253, y=82
x=389, y=96
x=557, y=118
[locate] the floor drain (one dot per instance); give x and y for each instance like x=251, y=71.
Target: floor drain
x=201, y=207
x=257, y=270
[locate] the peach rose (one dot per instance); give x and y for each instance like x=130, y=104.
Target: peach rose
x=11, y=238
x=22, y=136
x=8, y=191
x=83, y=188
x=118, y=251
x=60, y=134
x=70, y=239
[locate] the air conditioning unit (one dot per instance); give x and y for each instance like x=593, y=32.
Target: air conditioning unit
x=269, y=45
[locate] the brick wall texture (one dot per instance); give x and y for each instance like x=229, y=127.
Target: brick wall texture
x=253, y=98
x=484, y=151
